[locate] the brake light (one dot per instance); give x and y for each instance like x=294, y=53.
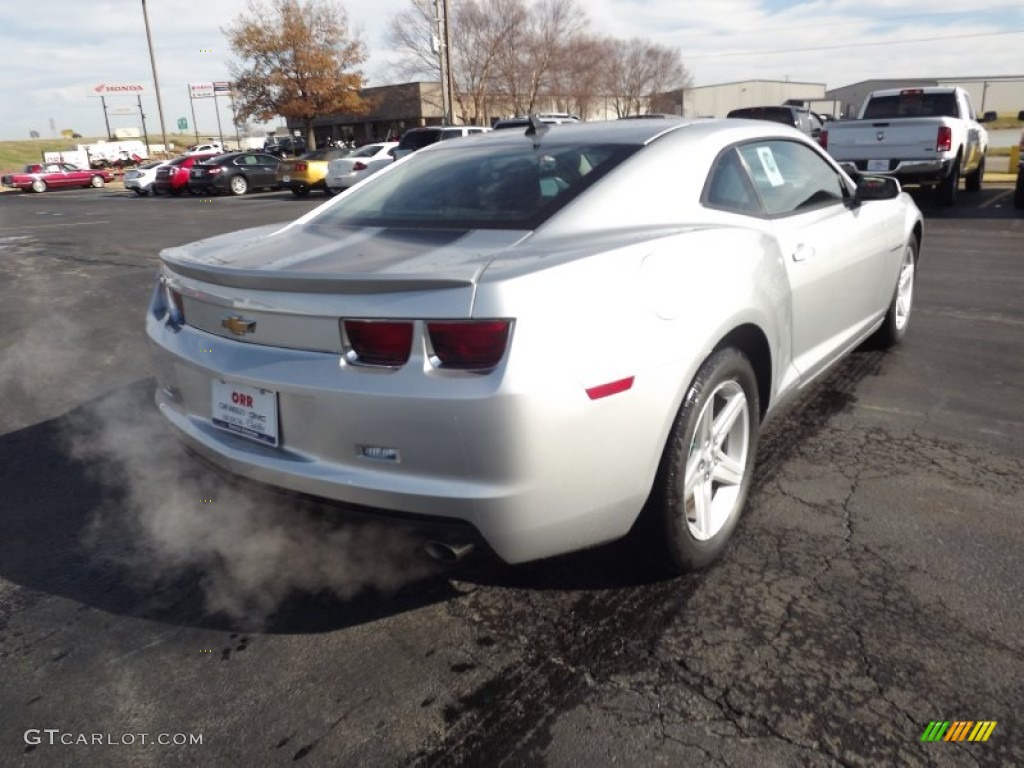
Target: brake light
x=378, y=342
x=175, y=305
x=912, y=92
x=359, y=166
x=823, y=138
x=299, y=166
x=472, y=345
x=944, y=140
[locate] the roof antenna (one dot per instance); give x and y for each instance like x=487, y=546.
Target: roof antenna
x=537, y=128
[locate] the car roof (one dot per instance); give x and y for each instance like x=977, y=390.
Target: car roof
x=605, y=131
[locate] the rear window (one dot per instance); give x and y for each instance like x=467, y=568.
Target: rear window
x=774, y=114
x=911, y=104
x=487, y=187
x=418, y=139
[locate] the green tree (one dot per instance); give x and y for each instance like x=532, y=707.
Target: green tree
x=296, y=59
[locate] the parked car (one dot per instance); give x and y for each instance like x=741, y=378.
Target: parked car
x=172, y=177
x=1018, y=190
x=39, y=177
x=234, y=172
x=553, y=337
x=800, y=118
x=345, y=172
x=417, y=138
x=522, y=121
x=140, y=180
x=210, y=148
x=308, y=172
x=285, y=146
x=929, y=136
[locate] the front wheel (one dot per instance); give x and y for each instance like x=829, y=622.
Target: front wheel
x=140, y=192
x=894, y=327
x=239, y=186
x=96, y=182
x=973, y=180
x=705, y=471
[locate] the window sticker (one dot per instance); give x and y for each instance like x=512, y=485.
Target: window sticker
x=771, y=169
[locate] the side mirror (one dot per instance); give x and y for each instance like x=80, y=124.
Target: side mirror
x=877, y=188
x=989, y=117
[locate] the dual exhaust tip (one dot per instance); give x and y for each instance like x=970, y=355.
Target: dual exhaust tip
x=447, y=552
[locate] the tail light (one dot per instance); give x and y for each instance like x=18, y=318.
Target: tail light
x=175, y=304
x=944, y=140
x=472, y=345
x=359, y=166
x=823, y=139
x=299, y=166
x=385, y=343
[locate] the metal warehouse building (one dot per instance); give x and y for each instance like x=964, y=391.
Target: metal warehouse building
x=1002, y=94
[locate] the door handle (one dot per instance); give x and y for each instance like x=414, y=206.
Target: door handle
x=803, y=252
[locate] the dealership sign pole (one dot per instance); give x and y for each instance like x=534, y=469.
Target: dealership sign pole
x=225, y=87
x=118, y=89
x=192, y=106
x=156, y=82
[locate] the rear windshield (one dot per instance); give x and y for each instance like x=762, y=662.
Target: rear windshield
x=419, y=139
x=774, y=114
x=912, y=104
x=488, y=187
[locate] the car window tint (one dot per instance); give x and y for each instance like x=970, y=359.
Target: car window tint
x=53, y=169
x=791, y=177
x=729, y=186
x=368, y=151
x=912, y=103
x=515, y=188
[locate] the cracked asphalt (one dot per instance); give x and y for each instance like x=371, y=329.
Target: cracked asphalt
x=875, y=583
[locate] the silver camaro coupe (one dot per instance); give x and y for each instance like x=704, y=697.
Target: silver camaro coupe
x=555, y=335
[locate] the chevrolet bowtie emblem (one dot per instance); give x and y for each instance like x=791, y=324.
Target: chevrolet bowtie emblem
x=238, y=325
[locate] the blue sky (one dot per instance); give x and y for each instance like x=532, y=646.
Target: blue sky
x=56, y=49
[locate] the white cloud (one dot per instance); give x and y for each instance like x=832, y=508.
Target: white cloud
x=52, y=57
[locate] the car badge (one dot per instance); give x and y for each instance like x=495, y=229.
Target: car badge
x=880, y=135
x=238, y=325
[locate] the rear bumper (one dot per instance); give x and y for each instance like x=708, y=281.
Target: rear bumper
x=534, y=472
x=906, y=171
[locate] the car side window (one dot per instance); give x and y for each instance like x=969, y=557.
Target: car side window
x=729, y=186
x=791, y=177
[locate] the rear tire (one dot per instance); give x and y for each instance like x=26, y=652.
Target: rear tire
x=38, y=185
x=973, y=181
x=949, y=186
x=706, y=468
x=96, y=182
x=1018, y=192
x=897, y=318
x=300, y=191
x=140, y=192
x=239, y=185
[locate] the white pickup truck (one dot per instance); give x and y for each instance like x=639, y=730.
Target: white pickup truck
x=929, y=136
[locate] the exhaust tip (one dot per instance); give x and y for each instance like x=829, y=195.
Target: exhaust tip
x=444, y=552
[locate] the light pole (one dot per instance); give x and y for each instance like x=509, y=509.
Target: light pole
x=156, y=82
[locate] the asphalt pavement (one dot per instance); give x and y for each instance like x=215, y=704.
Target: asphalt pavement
x=153, y=612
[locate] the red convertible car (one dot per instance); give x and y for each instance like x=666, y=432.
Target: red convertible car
x=40, y=177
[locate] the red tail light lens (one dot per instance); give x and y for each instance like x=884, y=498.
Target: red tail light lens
x=470, y=346
x=300, y=166
x=823, y=139
x=378, y=342
x=359, y=166
x=944, y=141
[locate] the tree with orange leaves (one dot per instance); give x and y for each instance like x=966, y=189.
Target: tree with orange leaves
x=296, y=59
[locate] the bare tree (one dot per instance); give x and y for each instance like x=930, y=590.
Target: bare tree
x=295, y=59
x=637, y=69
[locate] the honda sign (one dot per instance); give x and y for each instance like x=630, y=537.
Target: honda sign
x=117, y=89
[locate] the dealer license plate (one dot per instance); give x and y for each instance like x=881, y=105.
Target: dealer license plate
x=878, y=165
x=246, y=411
